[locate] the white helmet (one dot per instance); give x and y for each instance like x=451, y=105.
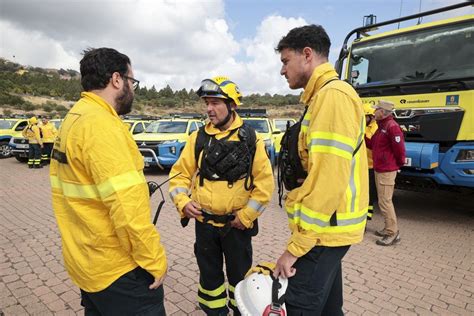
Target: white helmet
x=260, y=293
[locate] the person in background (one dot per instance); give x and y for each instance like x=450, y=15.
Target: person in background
x=32, y=132
x=111, y=249
x=370, y=128
x=49, y=133
x=388, y=153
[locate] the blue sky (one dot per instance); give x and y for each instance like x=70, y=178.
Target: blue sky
x=181, y=42
x=338, y=17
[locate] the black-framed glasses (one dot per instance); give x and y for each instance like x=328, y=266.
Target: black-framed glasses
x=135, y=82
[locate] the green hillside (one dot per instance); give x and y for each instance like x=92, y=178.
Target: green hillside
x=34, y=90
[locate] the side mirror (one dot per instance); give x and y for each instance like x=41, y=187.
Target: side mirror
x=277, y=131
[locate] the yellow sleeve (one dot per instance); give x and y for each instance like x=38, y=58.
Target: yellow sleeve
x=185, y=169
x=263, y=186
x=38, y=135
x=332, y=136
x=123, y=189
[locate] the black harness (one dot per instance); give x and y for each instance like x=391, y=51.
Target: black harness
x=291, y=173
x=225, y=160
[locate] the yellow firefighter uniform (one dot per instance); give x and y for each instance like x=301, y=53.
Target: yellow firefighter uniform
x=217, y=196
x=33, y=134
x=337, y=181
x=49, y=132
x=100, y=198
x=369, y=132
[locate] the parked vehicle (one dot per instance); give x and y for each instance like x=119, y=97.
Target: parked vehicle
x=10, y=127
x=259, y=120
x=280, y=124
x=427, y=71
x=163, y=140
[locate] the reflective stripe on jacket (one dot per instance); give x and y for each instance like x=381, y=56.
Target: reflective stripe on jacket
x=49, y=132
x=217, y=196
x=369, y=132
x=337, y=181
x=100, y=198
x=33, y=134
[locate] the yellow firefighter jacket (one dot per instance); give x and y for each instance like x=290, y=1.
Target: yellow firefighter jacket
x=33, y=134
x=337, y=181
x=216, y=197
x=100, y=198
x=369, y=132
x=49, y=132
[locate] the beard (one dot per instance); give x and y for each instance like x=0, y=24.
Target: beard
x=124, y=101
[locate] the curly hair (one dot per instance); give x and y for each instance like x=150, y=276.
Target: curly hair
x=98, y=65
x=313, y=36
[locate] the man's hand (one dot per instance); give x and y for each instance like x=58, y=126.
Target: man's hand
x=284, y=265
x=192, y=210
x=236, y=223
x=157, y=283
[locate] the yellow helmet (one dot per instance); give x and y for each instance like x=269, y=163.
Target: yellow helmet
x=368, y=109
x=33, y=120
x=220, y=87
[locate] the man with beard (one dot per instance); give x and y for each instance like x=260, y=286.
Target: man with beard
x=111, y=250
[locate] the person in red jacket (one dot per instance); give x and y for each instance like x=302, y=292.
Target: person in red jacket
x=388, y=153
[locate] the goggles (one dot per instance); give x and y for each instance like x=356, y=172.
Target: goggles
x=211, y=89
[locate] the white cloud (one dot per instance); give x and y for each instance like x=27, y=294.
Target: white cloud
x=169, y=42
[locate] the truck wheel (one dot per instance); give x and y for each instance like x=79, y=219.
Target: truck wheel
x=5, y=150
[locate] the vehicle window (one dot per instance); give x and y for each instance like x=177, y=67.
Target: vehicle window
x=138, y=128
x=260, y=126
x=193, y=127
x=281, y=124
x=167, y=127
x=414, y=57
x=199, y=124
x=21, y=126
x=57, y=124
x=7, y=124
x=146, y=124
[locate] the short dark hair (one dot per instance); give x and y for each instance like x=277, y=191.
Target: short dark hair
x=98, y=65
x=313, y=36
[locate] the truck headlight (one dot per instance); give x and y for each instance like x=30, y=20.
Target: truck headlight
x=465, y=155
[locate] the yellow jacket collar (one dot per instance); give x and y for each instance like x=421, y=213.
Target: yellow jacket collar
x=320, y=76
x=98, y=100
x=211, y=130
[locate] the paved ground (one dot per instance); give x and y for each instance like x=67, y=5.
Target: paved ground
x=430, y=273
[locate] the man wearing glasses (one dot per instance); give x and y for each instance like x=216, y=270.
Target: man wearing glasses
x=226, y=167
x=111, y=250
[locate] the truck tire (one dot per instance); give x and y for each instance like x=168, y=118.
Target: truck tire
x=5, y=150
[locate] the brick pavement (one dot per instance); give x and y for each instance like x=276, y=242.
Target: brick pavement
x=430, y=273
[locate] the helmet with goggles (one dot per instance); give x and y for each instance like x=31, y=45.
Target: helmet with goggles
x=220, y=87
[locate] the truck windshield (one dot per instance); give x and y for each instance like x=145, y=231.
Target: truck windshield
x=437, y=53
x=167, y=127
x=261, y=126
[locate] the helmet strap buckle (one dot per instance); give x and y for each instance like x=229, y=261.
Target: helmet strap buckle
x=274, y=309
